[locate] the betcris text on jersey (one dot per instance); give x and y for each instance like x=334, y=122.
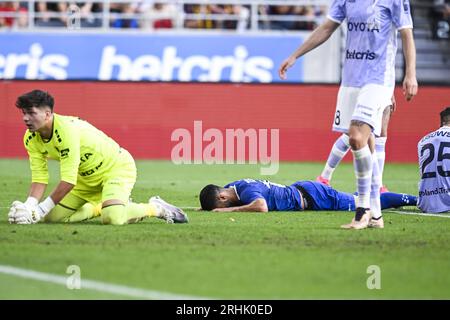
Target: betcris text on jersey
x=139, y=57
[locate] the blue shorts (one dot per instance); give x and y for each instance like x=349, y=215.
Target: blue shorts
x=323, y=197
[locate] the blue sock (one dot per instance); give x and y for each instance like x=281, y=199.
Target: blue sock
x=395, y=200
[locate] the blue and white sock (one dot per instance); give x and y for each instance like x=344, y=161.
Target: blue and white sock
x=362, y=162
x=375, y=206
x=338, y=152
x=380, y=148
x=395, y=200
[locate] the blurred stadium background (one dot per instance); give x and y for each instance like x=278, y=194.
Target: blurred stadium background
x=139, y=70
x=149, y=67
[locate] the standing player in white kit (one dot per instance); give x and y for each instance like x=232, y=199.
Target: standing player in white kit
x=368, y=81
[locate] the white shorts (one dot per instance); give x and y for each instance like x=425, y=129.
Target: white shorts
x=364, y=104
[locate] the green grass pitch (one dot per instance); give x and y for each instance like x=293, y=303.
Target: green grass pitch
x=276, y=255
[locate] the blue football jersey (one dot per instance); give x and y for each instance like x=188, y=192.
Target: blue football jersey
x=316, y=196
x=278, y=197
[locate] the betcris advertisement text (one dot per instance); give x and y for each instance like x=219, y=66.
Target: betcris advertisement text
x=141, y=57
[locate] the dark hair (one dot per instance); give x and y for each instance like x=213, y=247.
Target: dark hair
x=445, y=116
x=208, y=197
x=35, y=98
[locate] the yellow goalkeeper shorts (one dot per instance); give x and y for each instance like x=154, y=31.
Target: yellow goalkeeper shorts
x=116, y=183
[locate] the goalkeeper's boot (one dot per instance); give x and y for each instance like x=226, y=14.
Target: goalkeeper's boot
x=376, y=223
x=360, y=221
x=168, y=212
x=383, y=189
x=323, y=180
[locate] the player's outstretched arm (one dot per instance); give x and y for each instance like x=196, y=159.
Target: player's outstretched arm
x=410, y=85
x=258, y=205
x=317, y=37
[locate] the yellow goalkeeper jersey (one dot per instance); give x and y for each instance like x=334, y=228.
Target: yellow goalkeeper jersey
x=84, y=152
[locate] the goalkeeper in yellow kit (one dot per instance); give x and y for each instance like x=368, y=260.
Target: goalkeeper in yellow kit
x=94, y=169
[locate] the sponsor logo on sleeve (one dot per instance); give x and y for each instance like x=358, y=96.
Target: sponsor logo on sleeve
x=64, y=153
x=406, y=5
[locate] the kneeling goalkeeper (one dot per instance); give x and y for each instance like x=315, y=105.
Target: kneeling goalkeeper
x=93, y=167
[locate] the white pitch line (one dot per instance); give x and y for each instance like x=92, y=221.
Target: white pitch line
x=442, y=215
x=97, y=285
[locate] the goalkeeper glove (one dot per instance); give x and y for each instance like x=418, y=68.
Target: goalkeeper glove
x=29, y=212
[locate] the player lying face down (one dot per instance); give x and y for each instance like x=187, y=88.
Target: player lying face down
x=263, y=196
